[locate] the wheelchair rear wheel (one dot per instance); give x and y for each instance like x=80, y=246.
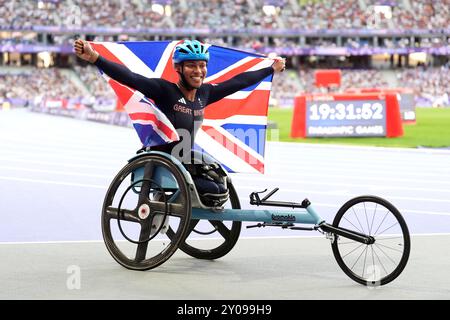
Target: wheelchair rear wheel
x=136, y=216
x=228, y=232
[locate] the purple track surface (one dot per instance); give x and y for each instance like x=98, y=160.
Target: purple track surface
x=54, y=173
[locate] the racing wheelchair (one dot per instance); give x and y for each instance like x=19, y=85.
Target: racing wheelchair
x=152, y=207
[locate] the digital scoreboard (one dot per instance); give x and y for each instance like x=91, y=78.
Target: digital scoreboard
x=346, y=118
x=346, y=115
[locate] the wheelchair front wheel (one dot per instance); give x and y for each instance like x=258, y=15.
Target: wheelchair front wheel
x=378, y=263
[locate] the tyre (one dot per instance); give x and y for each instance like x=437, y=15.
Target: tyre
x=382, y=261
x=227, y=233
x=135, y=216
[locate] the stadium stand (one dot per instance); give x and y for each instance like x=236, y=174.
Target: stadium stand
x=373, y=42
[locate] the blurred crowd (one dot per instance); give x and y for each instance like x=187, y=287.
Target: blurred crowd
x=287, y=85
x=76, y=13
x=219, y=16
x=38, y=84
x=91, y=78
x=226, y=14
x=362, y=79
x=430, y=85
x=423, y=14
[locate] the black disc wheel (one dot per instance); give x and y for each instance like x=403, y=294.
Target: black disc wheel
x=382, y=261
x=219, y=237
x=146, y=198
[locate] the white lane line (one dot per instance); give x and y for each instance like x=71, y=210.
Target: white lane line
x=53, y=150
x=432, y=170
x=339, y=193
x=367, y=169
x=308, y=173
x=406, y=160
x=375, y=188
x=425, y=212
x=266, y=178
x=322, y=147
x=62, y=135
x=339, y=184
x=72, y=144
x=65, y=173
x=337, y=206
x=322, y=236
x=343, y=155
x=5, y=243
x=61, y=164
x=52, y=242
x=57, y=155
x=292, y=190
x=71, y=184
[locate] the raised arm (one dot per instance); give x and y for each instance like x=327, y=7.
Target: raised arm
x=149, y=87
x=243, y=80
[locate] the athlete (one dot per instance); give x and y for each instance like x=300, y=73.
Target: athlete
x=183, y=102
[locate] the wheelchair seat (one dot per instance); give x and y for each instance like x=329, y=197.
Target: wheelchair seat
x=210, y=179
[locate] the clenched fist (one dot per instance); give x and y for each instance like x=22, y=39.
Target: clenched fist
x=84, y=51
x=279, y=65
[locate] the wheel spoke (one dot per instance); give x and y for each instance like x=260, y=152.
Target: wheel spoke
x=367, y=220
x=146, y=184
x=373, y=219
x=173, y=209
x=353, y=225
x=388, y=238
x=364, y=250
x=394, y=249
x=364, y=267
x=141, y=249
x=381, y=263
x=145, y=190
x=362, y=229
x=192, y=224
x=349, y=242
x=126, y=215
x=353, y=250
x=383, y=260
x=387, y=228
x=373, y=260
x=382, y=221
x=385, y=254
x=223, y=230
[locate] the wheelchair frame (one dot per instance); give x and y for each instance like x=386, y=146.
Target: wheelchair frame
x=172, y=175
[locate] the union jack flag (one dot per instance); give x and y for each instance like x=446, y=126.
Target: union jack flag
x=234, y=128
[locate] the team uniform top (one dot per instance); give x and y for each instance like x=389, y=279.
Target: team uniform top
x=181, y=112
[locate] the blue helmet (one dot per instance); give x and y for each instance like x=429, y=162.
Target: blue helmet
x=190, y=50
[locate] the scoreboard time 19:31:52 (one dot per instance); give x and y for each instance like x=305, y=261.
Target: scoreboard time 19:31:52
x=349, y=118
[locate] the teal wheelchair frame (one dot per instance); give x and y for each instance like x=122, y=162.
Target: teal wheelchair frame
x=169, y=209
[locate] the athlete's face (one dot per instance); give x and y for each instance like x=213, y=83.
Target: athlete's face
x=194, y=72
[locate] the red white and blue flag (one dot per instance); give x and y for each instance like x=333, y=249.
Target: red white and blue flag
x=234, y=128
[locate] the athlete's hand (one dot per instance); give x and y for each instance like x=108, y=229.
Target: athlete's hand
x=279, y=65
x=84, y=51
